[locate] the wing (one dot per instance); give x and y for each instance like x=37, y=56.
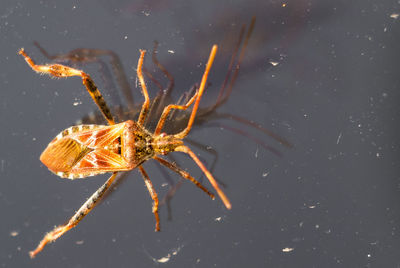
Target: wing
x=86, y=150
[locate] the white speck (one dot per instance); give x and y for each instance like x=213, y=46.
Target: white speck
x=165, y=184
x=125, y=37
x=394, y=15
x=378, y=155
x=369, y=255
x=146, y=13
x=274, y=63
x=265, y=174
x=287, y=249
x=311, y=206
x=14, y=233
x=79, y=242
x=167, y=257
x=256, y=153
x=171, y=51
x=76, y=103
x=164, y=259
x=338, y=139
x=218, y=219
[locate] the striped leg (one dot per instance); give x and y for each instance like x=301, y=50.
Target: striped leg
x=78, y=216
x=168, y=109
x=153, y=195
x=81, y=55
x=184, y=174
x=58, y=70
x=186, y=131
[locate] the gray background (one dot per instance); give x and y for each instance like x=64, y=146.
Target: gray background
x=334, y=198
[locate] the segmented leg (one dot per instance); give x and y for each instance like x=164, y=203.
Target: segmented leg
x=184, y=98
x=209, y=176
x=80, y=55
x=58, y=70
x=153, y=195
x=78, y=216
x=146, y=103
x=167, y=109
x=184, y=133
x=184, y=174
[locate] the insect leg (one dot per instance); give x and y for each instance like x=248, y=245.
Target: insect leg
x=167, y=109
x=153, y=195
x=209, y=176
x=146, y=103
x=58, y=70
x=184, y=133
x=183, y=99
x=184, y=174
x=81, y=55
x=78, y=216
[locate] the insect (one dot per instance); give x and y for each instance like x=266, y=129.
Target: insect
x=87, y=150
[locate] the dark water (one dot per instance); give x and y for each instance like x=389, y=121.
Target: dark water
x=321, y=74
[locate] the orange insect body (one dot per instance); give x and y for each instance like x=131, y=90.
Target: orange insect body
x=88, y=150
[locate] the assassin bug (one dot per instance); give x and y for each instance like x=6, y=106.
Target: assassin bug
x=87, y=150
